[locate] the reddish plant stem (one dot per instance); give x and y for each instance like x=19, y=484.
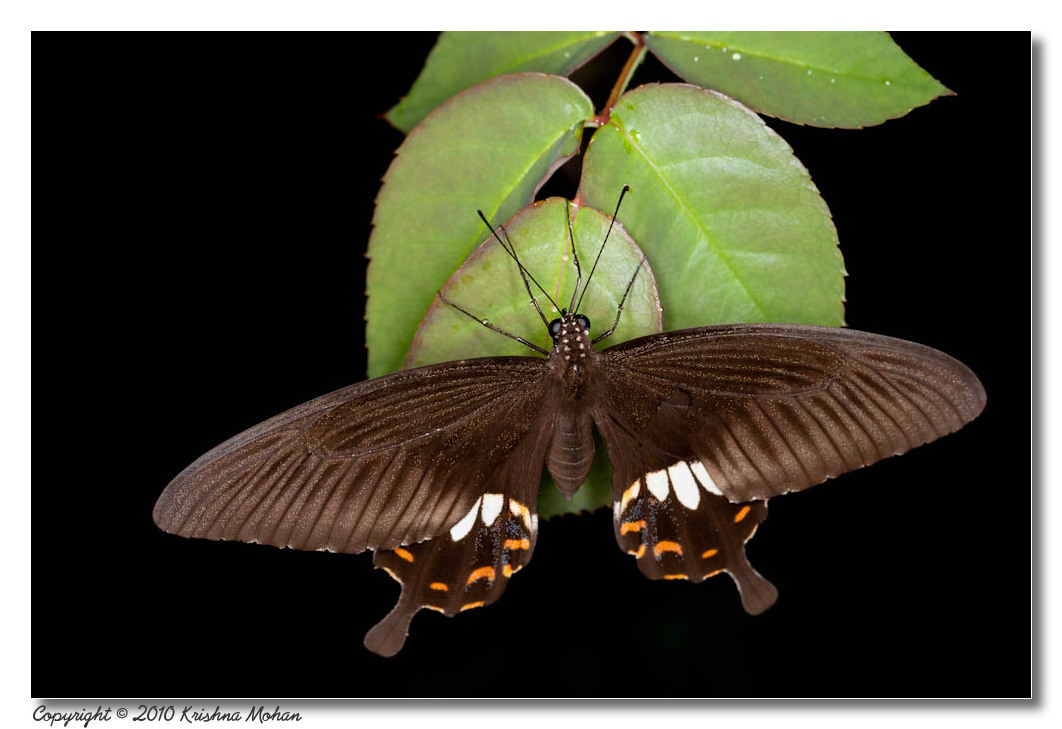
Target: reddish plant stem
x=633, y=61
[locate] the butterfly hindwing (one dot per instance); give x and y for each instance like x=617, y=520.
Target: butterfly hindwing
x=470, y=564
x=468, y=567
x=679, y=528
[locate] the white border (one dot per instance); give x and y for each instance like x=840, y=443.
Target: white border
x=17, y=19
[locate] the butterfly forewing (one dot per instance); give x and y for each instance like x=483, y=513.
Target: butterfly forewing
x=774, y=408
x=391, y=461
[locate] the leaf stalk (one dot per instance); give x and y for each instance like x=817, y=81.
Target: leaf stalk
x=626, y=73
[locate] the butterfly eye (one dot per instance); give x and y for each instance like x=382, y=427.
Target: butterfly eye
x=582, y=321
x=554, y=328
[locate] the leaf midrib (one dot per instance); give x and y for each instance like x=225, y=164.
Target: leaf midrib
x=795, y=64
x=708, y=237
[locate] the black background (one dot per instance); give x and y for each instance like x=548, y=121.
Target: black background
x=201, y=207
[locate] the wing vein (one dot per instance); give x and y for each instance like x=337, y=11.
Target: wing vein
x=867, y=437
x=785, y=441
x=278, y=485
x=826, y=433
x=858, y=382
x=751, y=461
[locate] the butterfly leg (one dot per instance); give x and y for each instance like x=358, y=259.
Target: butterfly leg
x=678, y=528
x=465, y=568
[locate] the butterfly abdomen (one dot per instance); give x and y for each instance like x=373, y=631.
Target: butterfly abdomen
x=571, y=451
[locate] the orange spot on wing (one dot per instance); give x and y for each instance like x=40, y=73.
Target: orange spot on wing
x=709, y=553
x=479, y=574
x=470, y=605
x=404, y=554
x=632, y=526
x=676, y=577
x=518, y=544
x=439, y=586
x=742, y=514
x=661, y=547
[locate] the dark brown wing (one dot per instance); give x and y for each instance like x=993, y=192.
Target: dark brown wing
x=771, y=408
x=387, y=462
x=702, y=425
x=468, y=568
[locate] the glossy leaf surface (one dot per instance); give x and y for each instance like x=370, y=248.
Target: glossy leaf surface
x=462, y=59
x=827, y=79
x=734, y=228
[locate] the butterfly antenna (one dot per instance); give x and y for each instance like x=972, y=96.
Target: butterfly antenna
x=623, y=299
x=524, y=273
x=575, y=255
x=484, y=322
x=623, y=192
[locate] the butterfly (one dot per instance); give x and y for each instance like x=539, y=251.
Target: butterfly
x=437, y=469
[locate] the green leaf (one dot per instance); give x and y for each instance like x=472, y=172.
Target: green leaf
x=488, y=148
x=489, y=286
x=463, y=59
x=826, y=79
x=733, y=226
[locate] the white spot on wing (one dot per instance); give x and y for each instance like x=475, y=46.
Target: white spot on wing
x=459, y=530
x=685, y=485
x=656, y=482
x=706, y=481
x=518, y=509
x=492, y=506
x=629, y=495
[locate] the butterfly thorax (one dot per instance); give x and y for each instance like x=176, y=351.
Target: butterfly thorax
x=571, y=360
x=573, y=354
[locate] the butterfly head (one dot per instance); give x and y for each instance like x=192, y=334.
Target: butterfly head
x=572, y=352
x=568, y=325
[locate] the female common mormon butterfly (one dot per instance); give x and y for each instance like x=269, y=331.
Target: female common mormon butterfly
x=437, y=469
